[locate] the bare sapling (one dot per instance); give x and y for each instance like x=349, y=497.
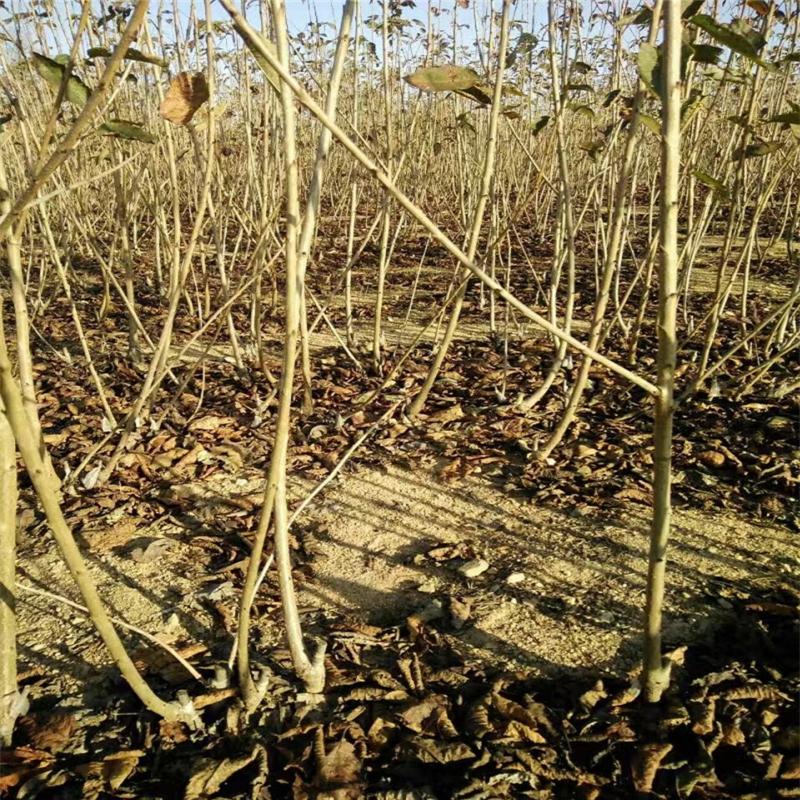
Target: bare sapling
x=477, y=220
x=10, y=705
x=655, y=673
x=26, y=443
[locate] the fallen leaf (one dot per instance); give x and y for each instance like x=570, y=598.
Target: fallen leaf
x=185, y=95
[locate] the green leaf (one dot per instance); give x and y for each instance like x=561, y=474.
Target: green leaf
x=480, y=93
x=738, y=36
x=132, y=55
x=756, y=150
x=526, y=43
x=593, y=147
x=77, y=91
x=270, y=73
x=581, y=67
x=611, y=97
x=650, y=123
x=640, y=17
x=706, y=53
x=578, y=108
x=647, y=64
x=579, y=87
x=123, y=129
x=793, y=57
x=691, y=7
x=463, y=121
x=443, y=79
x=690, y=107
x=789, y=118
x=146, y=58
x=739, y=119
x=729, y=75
x=539, y=124
x=719, y=188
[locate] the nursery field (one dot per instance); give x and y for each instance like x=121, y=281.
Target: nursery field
x=399, y=400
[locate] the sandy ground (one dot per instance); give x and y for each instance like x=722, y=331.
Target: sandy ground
x=574, y=603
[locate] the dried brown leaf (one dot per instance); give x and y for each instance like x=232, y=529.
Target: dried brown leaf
x=185, y=95
x=338, y=770
x=119, y=767
x=50, y=732
x=209, y=774
x=702, y=713
x=478, y=720
x=645, y=764
x=430, y=751
x=419, y=717
x=754, y=691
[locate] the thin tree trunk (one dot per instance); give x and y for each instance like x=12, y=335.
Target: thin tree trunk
x=655, y=673
x=477, y=221
x=45, y=490
x=8, y=566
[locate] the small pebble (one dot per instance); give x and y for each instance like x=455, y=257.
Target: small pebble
x=428, y=587
x=172, y=622
x=606, y=616
x=515, y=577
x=474, y=568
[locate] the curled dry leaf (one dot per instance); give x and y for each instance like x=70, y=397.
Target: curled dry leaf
x=48, y=732
x=185, y=95
x=337, y=771
x=210, y=774
x=646, y=762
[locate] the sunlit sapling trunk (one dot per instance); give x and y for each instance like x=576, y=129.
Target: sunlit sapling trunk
x=122, y=211
x=312, y=672
x=158, y=366
x=219, y=236
x=377, y=358
x=655, y=673
x=8, y=566
x=355, y=189
x=26, y=442
x=22, y=324
x=416, y=213
x=315, y=193
x=477, y=220
x=566, y=218
x=609, y=265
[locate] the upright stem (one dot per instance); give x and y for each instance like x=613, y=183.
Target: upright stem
x=609, y=266
x=8, y=566
x=477, y=220
x=377, y=358
x=315, y=193
x=26, y=441
x=312, y=673
x=656, y=674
